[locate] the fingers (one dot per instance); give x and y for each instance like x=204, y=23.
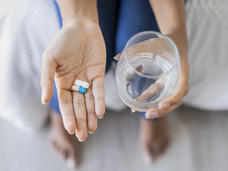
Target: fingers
x=149, y=92
x=92, y=118
x=67, y=110
x=99, y=97
x=170, y=103
x=161, y=111
x=47, y=77
x=177, y=95
x=80, y=113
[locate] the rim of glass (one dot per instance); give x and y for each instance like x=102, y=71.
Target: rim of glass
x=160, y=35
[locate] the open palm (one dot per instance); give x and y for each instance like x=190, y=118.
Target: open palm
x=76, y=52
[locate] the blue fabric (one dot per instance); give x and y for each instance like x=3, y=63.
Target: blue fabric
x=119, y=21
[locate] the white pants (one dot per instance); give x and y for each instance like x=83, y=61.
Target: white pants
x=26, y=30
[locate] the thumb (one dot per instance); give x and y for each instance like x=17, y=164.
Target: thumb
x=47, y=77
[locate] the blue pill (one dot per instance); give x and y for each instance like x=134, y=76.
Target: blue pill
x=82, y=90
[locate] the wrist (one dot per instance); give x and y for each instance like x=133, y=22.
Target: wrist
x=81, y=23
x=179, y=37
x=78, y=10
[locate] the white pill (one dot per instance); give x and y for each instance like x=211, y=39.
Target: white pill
x=75, y=87
x=82, y=83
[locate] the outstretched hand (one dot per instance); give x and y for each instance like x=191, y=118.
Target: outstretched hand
x=76, y=52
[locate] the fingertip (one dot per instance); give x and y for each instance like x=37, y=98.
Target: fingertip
x=92, y=125
x=151, y=115
x=100, y=106
x=100, y=112
x=81, y=135
x=47, y=92
x=70, y=127
x=44, y=99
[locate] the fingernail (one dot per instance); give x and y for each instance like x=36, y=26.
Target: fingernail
x=116, y=57
x=100, y=117
x=76, y=134
x=81, y=140
x=133, y=110
x=154, y=114
x=43, y=98
x=165, y=105
x=147, y=115
x=91, y=132
x=71, y=132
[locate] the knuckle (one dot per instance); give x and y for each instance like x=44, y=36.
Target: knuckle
x=89, y=97
x=66, y=101
x=46, y=80
x=79, y=102
x=98, y=86
x=100, y=98
x=81, y=118
x=47, y=54
x=173, y=101
x=162, y=113
x=91, y=113
x=48, y=59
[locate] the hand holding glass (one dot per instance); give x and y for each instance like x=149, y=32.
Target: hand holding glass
x=147, y=70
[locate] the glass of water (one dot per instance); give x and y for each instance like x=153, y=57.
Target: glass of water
x=147, y=70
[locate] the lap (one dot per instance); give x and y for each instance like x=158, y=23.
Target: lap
x=134, y=16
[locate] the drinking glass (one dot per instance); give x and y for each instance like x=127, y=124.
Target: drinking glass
x=147, y=70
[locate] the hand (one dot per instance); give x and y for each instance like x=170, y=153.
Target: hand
x=76, y=52
x=175, y=100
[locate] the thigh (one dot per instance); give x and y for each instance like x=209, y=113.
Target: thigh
x=134, y=16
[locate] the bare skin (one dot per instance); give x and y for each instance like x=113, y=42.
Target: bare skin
x=65, y=145
x=71, y=56
x=154, y=138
